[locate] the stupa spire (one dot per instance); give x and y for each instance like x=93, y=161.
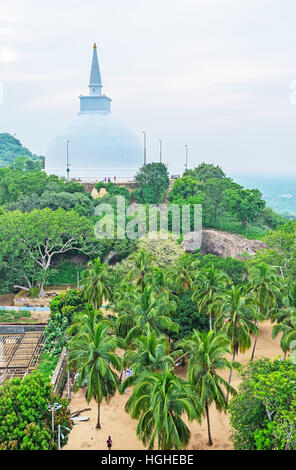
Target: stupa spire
x=95, y=102
x=95, y=82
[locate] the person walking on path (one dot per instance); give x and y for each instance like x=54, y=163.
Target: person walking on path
x=109, y=442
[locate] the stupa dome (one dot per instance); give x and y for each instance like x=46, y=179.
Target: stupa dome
x=97, y=144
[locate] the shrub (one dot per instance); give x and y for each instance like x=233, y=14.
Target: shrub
x=34, y=292
x=263, y=412
x=25, y=423
x=188, y=317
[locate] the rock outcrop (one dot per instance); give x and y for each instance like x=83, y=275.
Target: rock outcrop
x=223, y=244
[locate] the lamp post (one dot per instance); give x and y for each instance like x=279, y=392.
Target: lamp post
x=68, y=164
x=53, y=407
x=160, y=150
x=145, y=147
x=186, y=157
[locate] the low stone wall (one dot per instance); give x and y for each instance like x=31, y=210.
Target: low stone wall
x=58, y=376
x=19, y=329
x=29, y=302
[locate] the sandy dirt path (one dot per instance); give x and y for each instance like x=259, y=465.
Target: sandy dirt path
x=122, y=428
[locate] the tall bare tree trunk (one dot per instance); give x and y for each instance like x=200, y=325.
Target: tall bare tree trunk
x=210, y=443
x=230, y=375
x=255, y=342
x=98, y=426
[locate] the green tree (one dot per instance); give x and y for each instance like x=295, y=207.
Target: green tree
x=206, y=352
x=153, y=181
x=208, y=283
x=246, y=204
x=95, y=283
x=164, y=251
x=78, y=201
x=27, y=164
x=263, y=283
x=236, y=314
x=184, y=188
x=188, y=317
x=262, y=414
x=286, y=318
x=205, y=171
x=25, y=423
x=235, y=269
x=184, y=271
x=91, y=354
x=150, y=352
x=214, y=203
x=159, y=401
x=63, y=308
x=141, y=312
x=141, y=263
x=280, y=252
x=116, y=190
x=30, y=242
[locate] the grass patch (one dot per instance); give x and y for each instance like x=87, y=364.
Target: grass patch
x=12, y=316
x=233, y=226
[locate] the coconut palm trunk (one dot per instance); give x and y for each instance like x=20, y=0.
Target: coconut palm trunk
x=98, y=425
x=210, y=443
x=255, y=343
x=230, y=376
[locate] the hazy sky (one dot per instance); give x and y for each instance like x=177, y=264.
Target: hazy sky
x=212, y=74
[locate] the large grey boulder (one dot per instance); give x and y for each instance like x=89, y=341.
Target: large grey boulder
x=222, y=244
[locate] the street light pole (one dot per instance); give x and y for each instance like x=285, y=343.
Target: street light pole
x=160, y=150
x=59, y=436
x=186, y=157
x=145, y=147
x=68, y=164
x=53, y=407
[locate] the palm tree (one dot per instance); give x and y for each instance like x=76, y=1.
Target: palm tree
x=236, y=319
x=158, y=401
x=288, y=329
x=144, y=311
x=91, y=354
x=206, y=352
x=160, y=280
x=151, y=352
x=184, y=271
x=263, y=283
x=86, y=319
x=208, y=283
x=94, y=282
x=141, y=263
x=286, y=319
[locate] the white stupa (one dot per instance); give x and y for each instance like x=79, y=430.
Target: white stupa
x=98, y=145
